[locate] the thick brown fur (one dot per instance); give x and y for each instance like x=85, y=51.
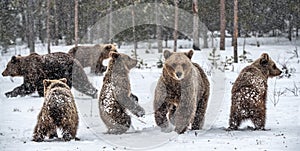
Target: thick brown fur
x=181, y=93
x=58, y=112
x=35, y=68
x=93, y=56
x=249, y=93
x=116, y=97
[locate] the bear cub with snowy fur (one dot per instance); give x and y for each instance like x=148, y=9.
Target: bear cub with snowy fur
x=116, y=97
x=181, y=94
x=58, y=112
x=249, y=93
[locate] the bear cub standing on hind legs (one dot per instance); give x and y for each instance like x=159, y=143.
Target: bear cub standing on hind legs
x=181, y=93
x=249, y=93
x=58, y=111
x=116, y=96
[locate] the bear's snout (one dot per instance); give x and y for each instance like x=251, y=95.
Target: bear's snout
x=4, y=73
x=178, y=74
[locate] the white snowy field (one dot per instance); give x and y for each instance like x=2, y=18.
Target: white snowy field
x=18, y=116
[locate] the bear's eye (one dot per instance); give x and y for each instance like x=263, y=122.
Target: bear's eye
x=183, y=65
x=173, y=65
x=274, y=66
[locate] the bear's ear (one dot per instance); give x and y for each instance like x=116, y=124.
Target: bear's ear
x=167, y=54
x=264, y=59
x=189, y=54
x=114, y=55
x=108, y=47
x=46, y=83
x=64, y=80
x=14, y=59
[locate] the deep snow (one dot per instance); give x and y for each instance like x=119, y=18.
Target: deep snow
x=19, y=115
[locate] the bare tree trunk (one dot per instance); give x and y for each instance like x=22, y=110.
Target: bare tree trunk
x=56, y=36
x=31, y=33
x=158, y=28
x=76, y=23
x=48, y=26
x=235, y=32
x=110, y=32
x=205, y=38
x=175, y=25
x=196, y=43
x=133, y=31
x=222, y=24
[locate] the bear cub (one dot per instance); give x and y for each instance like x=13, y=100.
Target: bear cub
x=93, y=56
x=249, y=93
x=116, y=97
x=181, y=94
x=58, y=112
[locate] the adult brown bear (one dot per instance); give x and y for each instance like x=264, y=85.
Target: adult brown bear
x=35, y=68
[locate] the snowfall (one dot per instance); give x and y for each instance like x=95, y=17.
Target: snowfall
x=18, y=115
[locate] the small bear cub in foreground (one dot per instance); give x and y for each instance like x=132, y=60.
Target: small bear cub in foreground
x=249, y=93
x=116, y=97
x=58, y=112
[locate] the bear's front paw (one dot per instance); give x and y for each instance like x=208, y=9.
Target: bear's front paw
x=140, y=112
x=180, y=129
x=37, y=139
x=10, y=94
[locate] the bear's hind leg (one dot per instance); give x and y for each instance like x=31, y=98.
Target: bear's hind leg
x=120, y=125
x=259, y=121
x=234, y=120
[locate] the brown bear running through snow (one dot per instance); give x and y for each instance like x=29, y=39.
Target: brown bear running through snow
x=116, y=97
x=181, y=93
x=93, y=56
x=249, y=93
x=58, y=112
x=35, y=68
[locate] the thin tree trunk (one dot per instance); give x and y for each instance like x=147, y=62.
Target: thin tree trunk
x=31, y=33
x=48, y=26
x=158, y=28
x=205, y=38
x=133, y=31
x=196, y=43
x=56, y=36
x=175, y=25
x=76, y=23
x=110, y=32
x=235, y=33
x=222, y=24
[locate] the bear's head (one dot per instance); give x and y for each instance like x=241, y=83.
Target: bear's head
x=49, y=84
x=121, y=59
x=267, y=66
x=106, y=49
x=178, y=64
x=18, y=64
x=13, y=67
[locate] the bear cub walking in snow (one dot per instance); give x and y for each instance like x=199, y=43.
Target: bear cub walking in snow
x=58, y=111
x=116, y=96
x=181, y=93
x=249, y=93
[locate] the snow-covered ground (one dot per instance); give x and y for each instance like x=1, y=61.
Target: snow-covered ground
x=18, y=115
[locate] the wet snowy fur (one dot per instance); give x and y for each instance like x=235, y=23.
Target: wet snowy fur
x=116, y=97
x=93, y=56
x=35, y=68
x=58, y=112
x=249, y=93
x=181, y=93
